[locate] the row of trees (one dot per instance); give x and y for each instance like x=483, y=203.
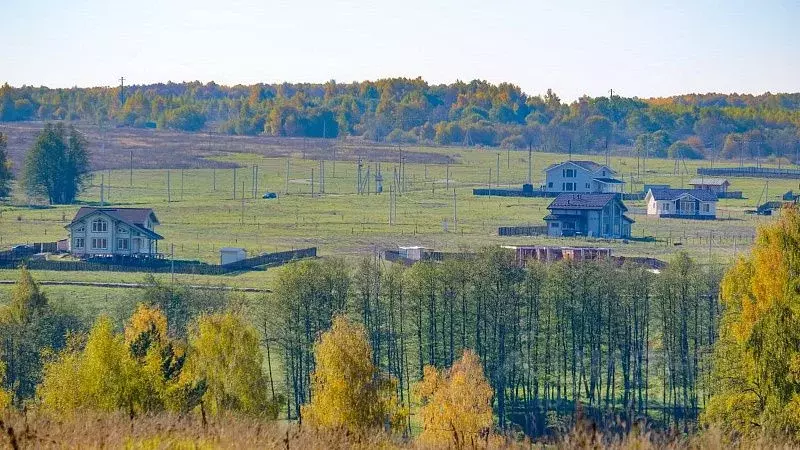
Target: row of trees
x=412, y=111
x=466, y=340
x=187, y=354
x=621, y=341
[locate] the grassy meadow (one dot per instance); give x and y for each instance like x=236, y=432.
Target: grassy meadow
x=200, y=213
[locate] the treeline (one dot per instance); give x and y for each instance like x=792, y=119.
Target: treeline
x=411, y=111
x=620, y=341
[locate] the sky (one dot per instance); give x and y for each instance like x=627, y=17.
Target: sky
x=637, y=48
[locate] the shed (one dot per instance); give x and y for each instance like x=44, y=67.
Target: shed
x=412, y=252
x=713, y=184
x=228, y=255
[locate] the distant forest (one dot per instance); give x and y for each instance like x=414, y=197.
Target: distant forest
x=411, y=111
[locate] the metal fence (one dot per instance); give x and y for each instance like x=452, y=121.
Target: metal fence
x=754, y=172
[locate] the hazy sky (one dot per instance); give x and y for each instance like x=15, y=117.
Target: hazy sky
x=573, y=47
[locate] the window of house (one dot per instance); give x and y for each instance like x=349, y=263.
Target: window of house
x=588, y=186
x=122, y=244
x=666, y=206
x=99, y=226
x=706, y=208
x=554, y=224
x=78, y=242
x=122, y=230
x=550, y=184
x=569, y=173
x=80, y=229
x=99, y=243
x=567, y=187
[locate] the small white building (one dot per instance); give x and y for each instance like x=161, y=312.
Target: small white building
x=682, y=203
x=581, y=177
x=229, y=255
x=413, y=253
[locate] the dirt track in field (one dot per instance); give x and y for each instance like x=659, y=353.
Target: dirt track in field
x=163, y=149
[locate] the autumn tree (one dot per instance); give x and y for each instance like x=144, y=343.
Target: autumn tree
x=102, y=376
x=225, y=355
x=456, y=403
x=29, y=326
x=348, y=391
x=5, y=168
x=757, y=370
x=57, y=166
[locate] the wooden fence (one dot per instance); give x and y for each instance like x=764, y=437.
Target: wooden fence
x=522, y=231
x=161, y=265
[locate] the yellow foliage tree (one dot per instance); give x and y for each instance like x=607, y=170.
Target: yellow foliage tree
x=757, y=356
x=224, y=354
x=104, y=376
x=5, y=396
x=348, y=391
x=456, y=404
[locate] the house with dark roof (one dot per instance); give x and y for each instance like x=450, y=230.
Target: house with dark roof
x=113, y=232
x=682, y=203
x=594, y=215
x=710, y=184
x=581, y=176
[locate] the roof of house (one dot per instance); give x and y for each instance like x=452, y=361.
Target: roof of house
x=628, y=219
x=609, y=180
x=584, y=201
x=128, y=215
x=674, y=194
x=135, y=217
x=591, y=166
x=708, y=181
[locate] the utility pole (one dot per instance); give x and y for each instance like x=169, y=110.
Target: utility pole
x=242, y=202
x=498, y=170
x=530, y=164
x=172, y=263
x=131, y=168
x=122, y=91
x=455, y=211
x=102, y=188
x=286, y=188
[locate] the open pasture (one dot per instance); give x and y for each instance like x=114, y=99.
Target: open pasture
x=206, y=198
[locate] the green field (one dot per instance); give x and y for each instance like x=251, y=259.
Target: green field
x=202, y=215
x=200, y=219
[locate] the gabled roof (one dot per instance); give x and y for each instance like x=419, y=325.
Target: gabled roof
x=584, y=201
x=674, y=194
x=591, y=166
x=134, y=217
x=127, y=215
x=708, y=181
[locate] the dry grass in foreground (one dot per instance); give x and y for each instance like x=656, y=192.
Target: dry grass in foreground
x=166, y=431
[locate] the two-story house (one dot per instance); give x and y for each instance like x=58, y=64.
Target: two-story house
x=594, y=215
x=581, y=176
x=682, y=203
x=113, y=232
